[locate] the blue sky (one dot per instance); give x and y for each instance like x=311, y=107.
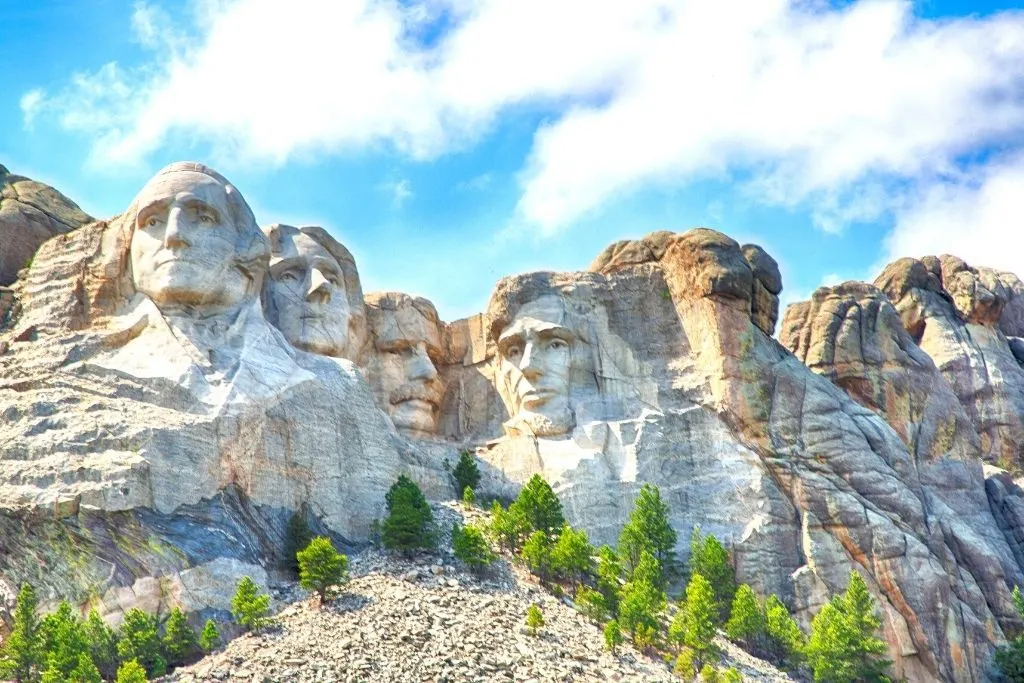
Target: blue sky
x=450, y=142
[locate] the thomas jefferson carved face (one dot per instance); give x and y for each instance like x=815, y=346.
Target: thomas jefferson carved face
x=402, y=371
x=535, y=351
x=187, y=248
x=307, y=292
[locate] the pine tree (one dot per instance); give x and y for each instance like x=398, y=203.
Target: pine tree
x=64, y=638
x=470, y=547
x=843, y=647
x=248, y=606
x=131, y=672
x=709, y=674
x=466, y=472
x=102, y=644
x=686, y=666
x=701, y=615
x=711, y=560
x=731, y=675
x=540, y=506
x=642, y=601
x=534, y=619
x=508, y=527
x=1010, y=659
x=138, y=640
x=85, y=671
x=648, y=530
x=21, y=657
x=609, y=574
x=409, y=525
x=746, y=620
x=536, y=554
x=209, y=639
x=677, y=628
x=468, y=497
x=785, y=641
x=572, y=555
x=297, y=536
x=612, y=635
x=180, y=643
x=590, y=604
x=321, y=566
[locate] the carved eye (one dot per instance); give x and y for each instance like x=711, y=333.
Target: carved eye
x=289, y=276
x=513, y=352
x=206, y=218
x=557, y=344
x=152, y=222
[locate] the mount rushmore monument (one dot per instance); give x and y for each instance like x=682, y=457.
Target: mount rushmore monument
x=176, y=381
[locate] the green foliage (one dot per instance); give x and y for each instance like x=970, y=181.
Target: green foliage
x=534, y=619
x=609, y=574
x=648, y=530
x=85, y=671
x=572, y=555
x=536, y=554
x=1010, y=659
x=686, y=664
x=784, y=640
x=296, y=537
x=731, y=675
x=612, y=635
x=843, y=647
x=466, y=473
x=710, y=559
x=677, y=628
x=180, y=644
x=538, y=503
x=590, y=604
x=409, y=525
x=746, y=619
x=321, y=566
x=709, y=674
x=131, y=672
x=138, y=640
x=701, y=614
x=209, y=639
x=508, y=527
x=249, y=607
x=468, y=497
x=102, y=644
x=642, y=600
x=471, y=547
x=63, y=639
x=21, y=657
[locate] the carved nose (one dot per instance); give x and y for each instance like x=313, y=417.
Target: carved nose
x=421, y=367
x=529, y=364
x=173, y=237
x=319, y=291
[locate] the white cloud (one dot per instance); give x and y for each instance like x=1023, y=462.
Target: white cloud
x=400, y=191
x=806, y=102
x=979, y=217
x=30, y=104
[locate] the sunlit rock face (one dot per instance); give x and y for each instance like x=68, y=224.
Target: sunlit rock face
x=313, y=294
x=407, y=342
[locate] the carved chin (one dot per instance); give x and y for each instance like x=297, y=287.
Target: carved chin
x=554, y=423
x=414, y=416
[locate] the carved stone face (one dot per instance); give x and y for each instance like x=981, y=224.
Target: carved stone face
x=308, y=296
x=403, y=369
x=536, y=362
x=184, y=249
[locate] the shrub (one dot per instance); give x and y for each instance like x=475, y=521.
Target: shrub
x=731, y=675
x=538, y=503
x=468, y=497
x=709, y=674
x=747, y=619
x=22, y=654
x=612, y=635
x=138, y=640
x=685, y=667
x=536, y=554
x=297, y=536
x=131, y=672
x=209, y=639
x=843, y=647
x=466, y=472
x=571, y=556
x=409, y=525
x=471, y=547
x=711, y=560
x=701, y=614
x=534, y=619
x=180, y=643
x=590, y=604
x=249, y=607
x=648, y=530
x=321, y=566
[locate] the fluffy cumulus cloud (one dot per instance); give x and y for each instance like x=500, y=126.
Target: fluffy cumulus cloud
x=802, y=101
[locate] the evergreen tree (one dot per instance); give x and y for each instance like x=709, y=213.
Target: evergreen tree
x=1010, y=659
x=536, y=554
x=297, y=536
x=180, y=643
x=648, y=530
x=468, y=497
x=508, y=527
x=731, y=675
x=102, y=644
x=466, y=472
x=843, y=647
x=409, y=525
x=572, y=555
x=64, y=638
x=701, y=615
x=642, y=601
x=746, y=623
x=21, y=657
x=470, y=546
x=609, y=574
x=711, y=560
x=209, y=639
x=131, y=672
x=785, y=641
x=677, y=628
x=248, y=606
x=85, y=671
x=538, y=503
x=612, y=635
x=321, y=566
x=138, y=640
x=709, y=674
x=686, y=666
x=590, y=604
x=51, y=671
x=534, y=619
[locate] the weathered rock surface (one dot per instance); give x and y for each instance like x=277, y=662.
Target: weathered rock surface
x=30, y=213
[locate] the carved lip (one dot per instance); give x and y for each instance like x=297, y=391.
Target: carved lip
x=418, y=403
x=537, y=395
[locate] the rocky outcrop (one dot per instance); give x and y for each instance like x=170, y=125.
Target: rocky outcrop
x=30, y=214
